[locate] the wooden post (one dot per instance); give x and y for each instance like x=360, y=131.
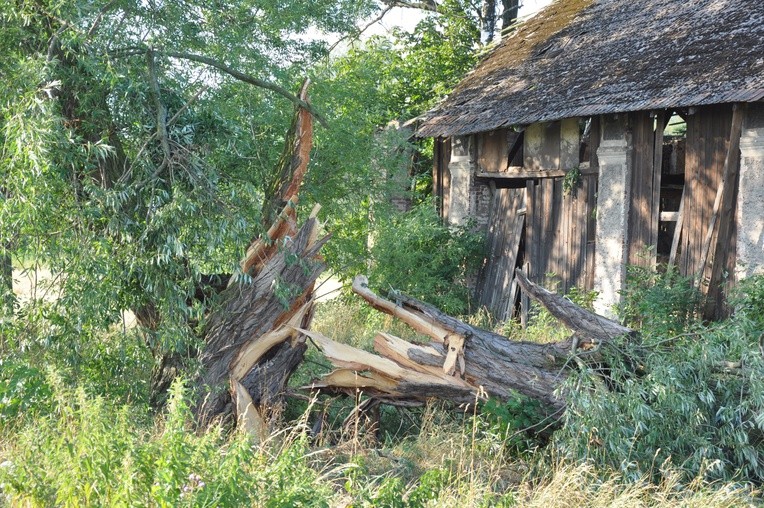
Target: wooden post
x=660, y=125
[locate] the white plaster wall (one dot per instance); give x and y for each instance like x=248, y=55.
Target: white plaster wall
x=459, y=204
x=750, y=201
x=613, y=198
x=570, y=141
x=460, y=168
x=533, y=140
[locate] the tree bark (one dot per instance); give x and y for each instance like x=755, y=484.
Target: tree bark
x=278, y=296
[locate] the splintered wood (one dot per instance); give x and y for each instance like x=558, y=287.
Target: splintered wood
x=462, y=363
x=252, y=345
x=258, y=334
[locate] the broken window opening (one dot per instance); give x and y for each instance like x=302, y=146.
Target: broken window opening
x=672, y=185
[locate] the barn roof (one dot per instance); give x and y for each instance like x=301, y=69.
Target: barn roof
x=591, y=57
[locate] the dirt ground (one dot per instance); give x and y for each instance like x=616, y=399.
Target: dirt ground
x=38, y=283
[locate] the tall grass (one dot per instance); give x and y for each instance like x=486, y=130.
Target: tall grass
x=88, y=452
x=77, y=434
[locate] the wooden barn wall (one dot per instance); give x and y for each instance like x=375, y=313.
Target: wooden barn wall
x=496, y=289
x=645, y=188
x=499, y=150
x=560, y=232
x=441, y=177
x=533, y=221
x=708, y=132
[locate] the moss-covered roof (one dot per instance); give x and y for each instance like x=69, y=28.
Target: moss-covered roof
x=589, y=57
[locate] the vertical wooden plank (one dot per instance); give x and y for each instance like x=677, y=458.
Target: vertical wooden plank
x=575, y=245
x=513, y=290
x=563, y=259
x=547, y=191
x=689, y=223
x=531, y=254
x=656, y=184
x=507, y=301
x=724, y=213
x=591, y=231
x=484, y=287
x=641, y=213
x=525, y=301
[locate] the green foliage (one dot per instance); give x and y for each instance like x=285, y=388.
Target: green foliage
x=115, y=363
x=23, y=389
x=571, y=180
x=747, y=301
x=88, y=191
x=89, y=452
x=696, y=407
x=429, y=487
x=661, y=303
x=515, y=420
x=362, y=159
x=415, y=254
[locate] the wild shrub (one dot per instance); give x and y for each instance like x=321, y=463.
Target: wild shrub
x=515, y=420
x=23, y=391
x=691, y=399
x=415, y=253
x=660, y=303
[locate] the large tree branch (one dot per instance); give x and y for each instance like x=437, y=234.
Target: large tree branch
x=241, y=76
x=246, y=78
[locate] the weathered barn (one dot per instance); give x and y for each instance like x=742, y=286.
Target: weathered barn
x=608, y=133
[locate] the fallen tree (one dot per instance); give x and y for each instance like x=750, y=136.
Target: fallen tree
x=463, y=363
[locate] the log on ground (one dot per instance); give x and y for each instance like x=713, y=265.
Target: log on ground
x=464, y=363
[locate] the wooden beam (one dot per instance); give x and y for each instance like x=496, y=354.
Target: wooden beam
x=520, y=173
x=660, y=125
x=726, y=186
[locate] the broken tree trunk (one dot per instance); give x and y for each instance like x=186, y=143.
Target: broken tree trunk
x=252, y=345
x=464, y=363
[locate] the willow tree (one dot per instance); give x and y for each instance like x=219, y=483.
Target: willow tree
x=139, y=143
